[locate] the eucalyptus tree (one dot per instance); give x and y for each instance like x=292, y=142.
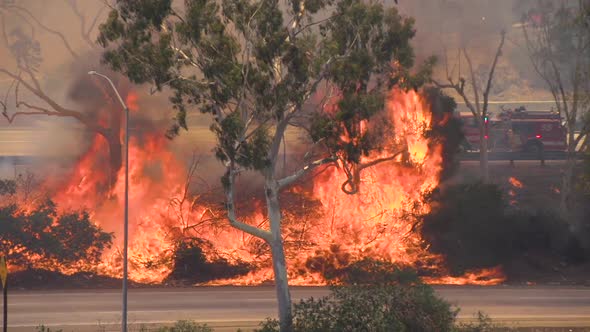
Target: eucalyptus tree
x=259, y=67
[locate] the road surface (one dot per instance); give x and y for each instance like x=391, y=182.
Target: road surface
x=228, y=308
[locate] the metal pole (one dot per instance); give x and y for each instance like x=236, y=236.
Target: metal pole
x=126, y=222
x=126, y=227
x=5, y=296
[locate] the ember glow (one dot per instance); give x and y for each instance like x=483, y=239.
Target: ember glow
x=331, y=229
x=515, y=182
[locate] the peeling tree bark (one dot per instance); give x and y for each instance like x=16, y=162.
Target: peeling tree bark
x=279, y=262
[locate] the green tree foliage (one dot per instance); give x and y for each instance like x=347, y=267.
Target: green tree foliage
x=252, y=64
x=44, y=238
x=259, y=67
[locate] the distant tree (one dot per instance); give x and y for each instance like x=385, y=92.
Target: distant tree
x=27, y=95
x=43, y=238
x=559, y=48
x=256, y=66
x=476, y=98
x=7, y=187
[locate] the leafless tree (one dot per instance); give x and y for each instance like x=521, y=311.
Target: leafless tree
x=559, y=49
x=477, y=100
x=26, y=95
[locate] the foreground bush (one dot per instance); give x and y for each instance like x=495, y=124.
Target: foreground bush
x=386, y=301
x=186, y=326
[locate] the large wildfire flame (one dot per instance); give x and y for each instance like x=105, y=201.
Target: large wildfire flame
x=375, y=223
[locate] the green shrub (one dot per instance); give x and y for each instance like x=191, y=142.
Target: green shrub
x=269, y=325
x=186, y=326
x=483, y=323
x=380, y=298
x=43, y=328
x=48, y=238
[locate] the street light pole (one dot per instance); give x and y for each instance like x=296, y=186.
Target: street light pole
x=126, y=222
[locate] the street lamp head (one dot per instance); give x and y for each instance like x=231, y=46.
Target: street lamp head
x=92, y=72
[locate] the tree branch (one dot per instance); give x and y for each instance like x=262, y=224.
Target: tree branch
x=297, y=175
x=85, y=33
x=491, y=74
x=461, y=93
x=58, y=109
x=379, y=160
x=473, y=82
x=231, y=212
x=48, y=29
x=353, y=173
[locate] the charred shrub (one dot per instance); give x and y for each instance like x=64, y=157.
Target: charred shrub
x=370, y=272
x=375, y=296
x=7, y=187
x=542, y=234
x=473, y=227
x=468, y=225
x=190, y=264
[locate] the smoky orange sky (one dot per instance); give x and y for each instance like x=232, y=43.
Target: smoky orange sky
x=442, y=26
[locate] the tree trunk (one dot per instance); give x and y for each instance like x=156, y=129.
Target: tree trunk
x=483, y=155
x=282, y=286
x=279, y=262
x=567, y=181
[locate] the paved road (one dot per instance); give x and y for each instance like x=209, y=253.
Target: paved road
x=230, y=307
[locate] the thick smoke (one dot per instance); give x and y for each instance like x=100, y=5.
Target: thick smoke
x=443, y=27
x=49, y=138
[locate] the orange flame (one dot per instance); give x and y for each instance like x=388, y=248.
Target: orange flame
x=132, y=101
x=378, y=222
x=515, y=182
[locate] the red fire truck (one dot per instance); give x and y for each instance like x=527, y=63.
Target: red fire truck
x=471, y=132
x=520, y=131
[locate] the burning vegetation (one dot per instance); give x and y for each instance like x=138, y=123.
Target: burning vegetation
x=380, y=198
x=178, y=234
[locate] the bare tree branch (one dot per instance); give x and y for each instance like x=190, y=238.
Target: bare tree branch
x=48, y=29
x=58, y=109
x=473, y=82
x=4, y=35
x=491, y=74
x=85, y=32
